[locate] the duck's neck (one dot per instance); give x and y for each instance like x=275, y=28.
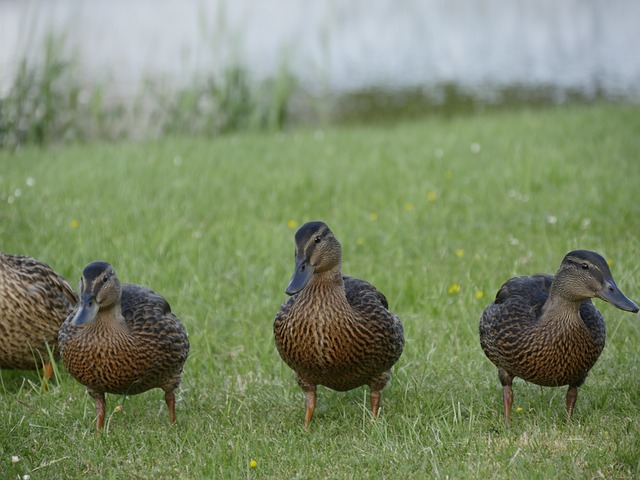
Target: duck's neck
x=561, y=308
x=329, y=278
x=326, y=284
x=110, y=319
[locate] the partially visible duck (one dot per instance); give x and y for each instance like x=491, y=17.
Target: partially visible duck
x=122, y=339
x=34, y=301
x=545, y=329
x=335, y=330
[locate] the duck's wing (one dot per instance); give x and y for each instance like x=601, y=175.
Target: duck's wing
x=594, y=321
x=523, y=297
x=39, y=280
x=361, y=294
x=373, y=308
x=518, y=303
x=149, y=315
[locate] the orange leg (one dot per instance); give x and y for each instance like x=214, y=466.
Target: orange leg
x=100, y=409
x=374, y=397
x=170, y=398
x=310, y=396
x=507, y=394
x=572, y=396
x=47, y=373
x=507, y=399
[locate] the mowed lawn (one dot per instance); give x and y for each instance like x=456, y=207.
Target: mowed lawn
x=436, y=213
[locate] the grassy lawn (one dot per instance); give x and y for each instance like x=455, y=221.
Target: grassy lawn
x=436, y=213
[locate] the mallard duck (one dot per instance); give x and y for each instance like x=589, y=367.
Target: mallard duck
x=545, y=329
x=122, y=339
x=335, y=330
x=34, y=301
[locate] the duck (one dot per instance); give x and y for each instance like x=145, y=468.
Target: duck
x=545, y=329
x=122, y=339
x=334, y=330
x=34, y=301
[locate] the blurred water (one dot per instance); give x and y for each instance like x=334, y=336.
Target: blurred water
x=589, y=46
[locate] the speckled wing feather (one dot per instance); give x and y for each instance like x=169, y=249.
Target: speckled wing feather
x=357, y=290
x=381, y=322
x=520, y=298
x=594, y=321
x=40, y=282
x=148, y=314
x=34, y=301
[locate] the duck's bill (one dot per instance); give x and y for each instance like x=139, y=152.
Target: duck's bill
x=612, y=294
x=86, y=313
x=300, y=278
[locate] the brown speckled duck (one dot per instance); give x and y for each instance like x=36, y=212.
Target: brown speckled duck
x=545, y=329
x=335, y=330
x=34, y=301
x=122, y=339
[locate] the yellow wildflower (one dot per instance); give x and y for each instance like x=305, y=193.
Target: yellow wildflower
x=432, y=196
x=459, y=252
x=454, y=288
x=408, y=207
x=373, y=216
x=479, y=294
x=292, y=224
x=253, y=463
x=74, y=223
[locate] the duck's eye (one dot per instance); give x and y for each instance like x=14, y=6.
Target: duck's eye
x=585, y=266
x=105, y=278
x=317, y=239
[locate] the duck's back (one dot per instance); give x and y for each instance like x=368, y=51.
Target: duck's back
x=554, y=355
x=34, y=301
x=149, y=354
x=383, y=327
x=148, y=314
x=518, y=304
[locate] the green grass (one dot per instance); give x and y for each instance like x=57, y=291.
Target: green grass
x=206, y=223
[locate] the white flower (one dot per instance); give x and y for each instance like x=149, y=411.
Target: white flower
x=15, y=458
x=475, y=148
x=30, y=181
x=552, y=219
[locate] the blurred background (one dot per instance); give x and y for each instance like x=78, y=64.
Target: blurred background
x=147, y=67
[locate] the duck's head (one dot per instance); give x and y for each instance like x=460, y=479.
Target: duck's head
x=99, y=288
x=317, y=251
x=584, y=274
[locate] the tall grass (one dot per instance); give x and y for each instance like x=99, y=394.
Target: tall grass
x=435, y=213
x=48, y=102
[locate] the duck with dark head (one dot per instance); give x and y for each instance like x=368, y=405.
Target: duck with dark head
x=334, y=330
x=122, y=339
x=545, y=329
